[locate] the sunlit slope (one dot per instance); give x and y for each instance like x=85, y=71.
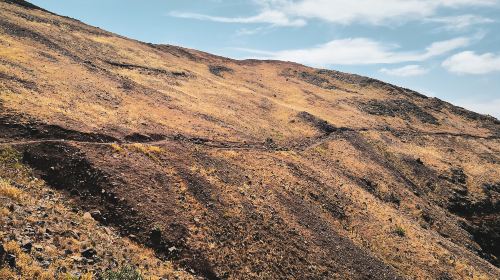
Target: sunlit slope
x=79, y=76
x=251, y=169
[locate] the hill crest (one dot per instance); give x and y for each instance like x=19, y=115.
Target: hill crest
x=249, y=169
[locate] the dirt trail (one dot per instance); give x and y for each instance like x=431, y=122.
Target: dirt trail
x=262, y=146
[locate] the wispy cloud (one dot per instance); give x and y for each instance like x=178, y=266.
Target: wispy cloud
x=251, y=31
x=362, y=51
x=297, y=13
x=405, y=71
x=469, y=62
x=458, y=23
x=372, y=11
x=272, y=17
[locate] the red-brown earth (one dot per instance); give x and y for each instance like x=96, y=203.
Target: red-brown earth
x=248, y=169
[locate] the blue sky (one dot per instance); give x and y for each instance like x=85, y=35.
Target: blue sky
x=444, y=48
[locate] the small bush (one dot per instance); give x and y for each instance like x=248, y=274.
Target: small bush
x=10, y=158
x=9, y=155
x=70, y=277
x=126, y=273
x=400, y=231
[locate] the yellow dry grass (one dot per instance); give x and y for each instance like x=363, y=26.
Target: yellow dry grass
x=148, y=150
x=116, y=148
x=252, y=103
x=9, y=191
x=25, y=266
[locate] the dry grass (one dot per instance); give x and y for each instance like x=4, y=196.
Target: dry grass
x=7, y=274
x=57, y=216
x=117, y=148
x=4, y=211
x=25, y=265
x=148, y=150
x=211, y=107
x=8, y=191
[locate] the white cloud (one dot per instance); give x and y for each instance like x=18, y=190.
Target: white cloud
x=361, y=51
x=469, y=62
x=297, y=12
x=372, y=11
x=270, y=16
x=457, y=23
x=405, y=71
x=442, y=47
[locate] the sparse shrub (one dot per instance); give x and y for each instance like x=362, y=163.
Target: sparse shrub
x=321, y=149
x=155, y=149
x=219, y=69
x=400, y=231
x=150, y=151
x=70, y=277
x=10, y=157
x=126, y=273
x=117, y=148
x=8, y=154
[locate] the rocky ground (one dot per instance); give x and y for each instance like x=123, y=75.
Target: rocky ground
x=173, y=162
x=42, y=236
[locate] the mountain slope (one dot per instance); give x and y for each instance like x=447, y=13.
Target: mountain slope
x=250, y=169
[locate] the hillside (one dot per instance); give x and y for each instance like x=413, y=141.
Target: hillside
x=239, y=169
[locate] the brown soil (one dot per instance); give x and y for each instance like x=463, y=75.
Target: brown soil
x=245, y=169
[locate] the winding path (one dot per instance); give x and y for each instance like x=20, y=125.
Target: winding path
x=261, y=146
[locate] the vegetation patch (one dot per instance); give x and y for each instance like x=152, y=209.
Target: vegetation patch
x=315, y=79
x=148, y=150
x=116, y=148
x=126, y=273
x=400, y=231
x=219, y=70
x=398, y=108
x=148, y=70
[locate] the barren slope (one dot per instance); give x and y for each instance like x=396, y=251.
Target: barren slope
x=250, y=169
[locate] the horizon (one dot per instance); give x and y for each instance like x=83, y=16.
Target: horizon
x=453, y=56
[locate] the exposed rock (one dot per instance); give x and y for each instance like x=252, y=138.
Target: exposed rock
x=155, y=237
x=26, y=247
x=89, y=253
x=11, y=260
x=2, y=254
x=96, y=215
x=458, y=176
x=138, y=137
